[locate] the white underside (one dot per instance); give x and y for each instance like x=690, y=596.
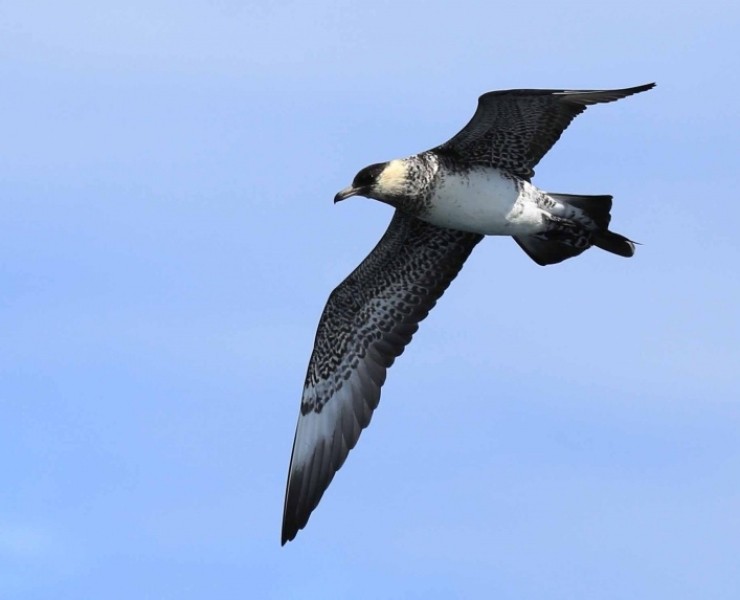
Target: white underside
x=484, y=201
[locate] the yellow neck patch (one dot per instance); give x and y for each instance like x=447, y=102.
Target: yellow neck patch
x=392, y=180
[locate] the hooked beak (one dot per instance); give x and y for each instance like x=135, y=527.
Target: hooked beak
x=346, y=193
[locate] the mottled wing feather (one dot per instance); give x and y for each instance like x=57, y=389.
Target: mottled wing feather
x=368, y=320
x=514, y=129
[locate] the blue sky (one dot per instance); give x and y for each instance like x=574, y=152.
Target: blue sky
x=169, y=240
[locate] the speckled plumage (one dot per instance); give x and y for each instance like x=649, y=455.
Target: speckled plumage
x=367, y=322
x=513, y=129
x=372, y=315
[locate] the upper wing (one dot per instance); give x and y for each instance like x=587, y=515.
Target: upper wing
x=514, y=129
x=368, y=320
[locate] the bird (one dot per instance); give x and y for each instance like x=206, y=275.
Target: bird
x=446, y=200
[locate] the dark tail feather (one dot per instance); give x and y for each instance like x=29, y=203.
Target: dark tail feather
x=547, y=252
x=590, y=222
x=614, y=243
x=595, y=208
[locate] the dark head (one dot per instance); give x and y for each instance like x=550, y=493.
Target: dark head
x=381, y=181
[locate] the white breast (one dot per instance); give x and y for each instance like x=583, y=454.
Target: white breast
x=484, y=201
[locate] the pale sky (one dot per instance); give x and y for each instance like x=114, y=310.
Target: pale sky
x=169, y=241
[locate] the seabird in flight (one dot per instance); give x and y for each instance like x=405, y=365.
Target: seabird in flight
x=446, y=200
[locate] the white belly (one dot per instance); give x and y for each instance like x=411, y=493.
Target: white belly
x=483, y=201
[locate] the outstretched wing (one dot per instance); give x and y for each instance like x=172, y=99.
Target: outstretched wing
x=368, y=320
x=514, y=129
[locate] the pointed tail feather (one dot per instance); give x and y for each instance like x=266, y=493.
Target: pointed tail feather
x=614, y=243
x=589, y=217
x=597, y=208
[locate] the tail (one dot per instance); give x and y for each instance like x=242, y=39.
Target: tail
x=585, y=223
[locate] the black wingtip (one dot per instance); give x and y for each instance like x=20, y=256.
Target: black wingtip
x=590, y=97
x=623, y=92
x=284, y=535
x=284, y=539
x=290, y=530
x=291, y=525
x=641, y=88
x=638, y=89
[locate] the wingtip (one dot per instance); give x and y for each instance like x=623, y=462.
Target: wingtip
x=618, y=94
x=290, y=524
x=288, y=534
x=645, y=87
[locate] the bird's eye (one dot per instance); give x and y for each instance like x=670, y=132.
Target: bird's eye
x=368, y=176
